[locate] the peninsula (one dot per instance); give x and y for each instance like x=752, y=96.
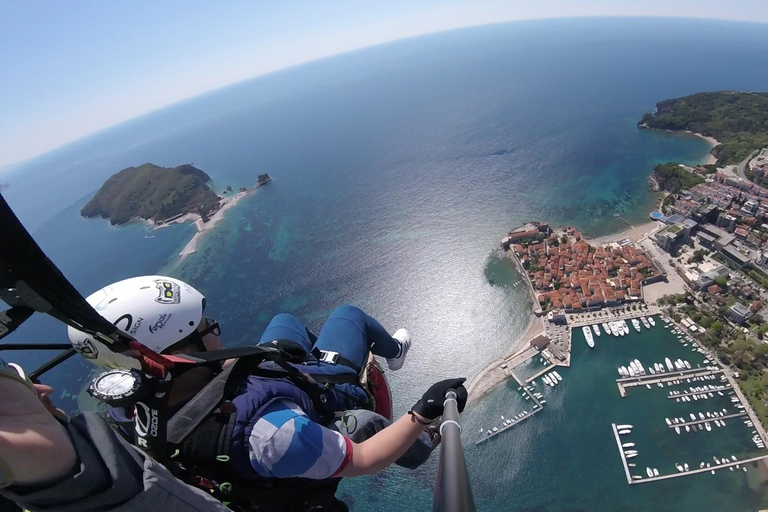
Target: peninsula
x=736, y=122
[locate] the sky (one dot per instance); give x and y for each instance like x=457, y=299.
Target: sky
x=69, y=69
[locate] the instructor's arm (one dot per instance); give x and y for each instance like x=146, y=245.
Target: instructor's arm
x=29, y=435
x=390, y=444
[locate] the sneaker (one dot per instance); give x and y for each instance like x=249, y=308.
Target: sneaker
x=404, y=337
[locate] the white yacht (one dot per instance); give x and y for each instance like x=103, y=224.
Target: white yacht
x=677, y=430
x=588, y=335
x=708, y=426
x=645, y=322
x=624, y=432
x=606, y=328
x=596, y=329
x=628, y=445
x=686, y=467
x=669, y=423
x=668, y=363
x=636, y=324
x=649, y=472
x=652, y=321
x=655, y=472
x=623, y=427
x=614, y=328
x=629, y=456
x=625, y=326
x=557, y=375
x=687, y=365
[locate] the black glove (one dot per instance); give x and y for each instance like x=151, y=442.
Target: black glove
x=430, y=406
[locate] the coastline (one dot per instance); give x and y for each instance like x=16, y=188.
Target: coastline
x=493, y=375
x=202, y=227
x=711, y=159
x=635, y=234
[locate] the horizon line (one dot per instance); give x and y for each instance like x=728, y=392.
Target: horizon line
x=4, y=168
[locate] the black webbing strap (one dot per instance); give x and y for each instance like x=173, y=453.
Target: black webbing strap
x=196, y=410
x=320, y=355
x=28, y=278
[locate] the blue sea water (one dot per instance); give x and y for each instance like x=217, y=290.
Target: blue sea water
x=396, y=171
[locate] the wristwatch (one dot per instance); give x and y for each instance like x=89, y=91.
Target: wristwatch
x=120, y=387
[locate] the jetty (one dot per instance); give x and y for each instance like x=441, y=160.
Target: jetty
x=621, y=453
x=646, y=480
x=618, y=216
x=703, y=392
x=710, y=420
x=695, y=471
x=629, y=382
x=536, y=409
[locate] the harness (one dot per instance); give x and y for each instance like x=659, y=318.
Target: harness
x=200, y=436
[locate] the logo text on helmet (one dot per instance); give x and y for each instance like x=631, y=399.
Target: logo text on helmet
x=86, y=348
x=169, y=293
x=160, y=322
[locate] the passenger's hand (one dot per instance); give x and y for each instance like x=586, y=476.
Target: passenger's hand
x=34, y=447
x=430, y=406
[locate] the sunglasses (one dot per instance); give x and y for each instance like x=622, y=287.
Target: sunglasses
x=196, y=337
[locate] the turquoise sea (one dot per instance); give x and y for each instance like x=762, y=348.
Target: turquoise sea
x=396, y=170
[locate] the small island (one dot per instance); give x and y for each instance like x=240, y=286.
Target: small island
x=162, y=196
x=153, y=193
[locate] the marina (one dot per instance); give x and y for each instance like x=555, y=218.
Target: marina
x=645, y=442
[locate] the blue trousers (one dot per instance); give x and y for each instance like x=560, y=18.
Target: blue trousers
x=352, y=333
x=349, y=331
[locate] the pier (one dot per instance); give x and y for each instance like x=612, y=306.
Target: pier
x=504, y=428
x=621, y=453
x=646, y=480
x=539, y=374
x=691, y=393
x=629, y=382
x=624, y=220
x=707, y=420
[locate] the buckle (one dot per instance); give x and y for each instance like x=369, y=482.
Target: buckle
x=328, y=356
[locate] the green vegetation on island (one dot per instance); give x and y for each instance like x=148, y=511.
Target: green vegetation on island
x=673, y=178
x=153, y=193
x=738, y=120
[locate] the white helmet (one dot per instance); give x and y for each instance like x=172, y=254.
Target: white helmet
x=158, y=311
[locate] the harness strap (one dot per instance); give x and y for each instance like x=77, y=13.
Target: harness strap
x=327, y=356
x=198, y=408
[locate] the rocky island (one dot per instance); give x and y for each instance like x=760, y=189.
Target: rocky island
x=154, y=193
x=164, y=195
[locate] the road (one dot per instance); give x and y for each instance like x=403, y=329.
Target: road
x=743, y=164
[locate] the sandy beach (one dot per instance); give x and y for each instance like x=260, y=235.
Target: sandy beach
x=202, y=227
x=633, y=234
x=713, y=142
x=493, y=374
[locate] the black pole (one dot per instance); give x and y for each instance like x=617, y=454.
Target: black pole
x=452, y=490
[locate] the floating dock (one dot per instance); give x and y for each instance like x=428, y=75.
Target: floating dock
x=630, y=382
x=621, y=453
x=691, y=393
x=710, y=420
x=646, y=480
